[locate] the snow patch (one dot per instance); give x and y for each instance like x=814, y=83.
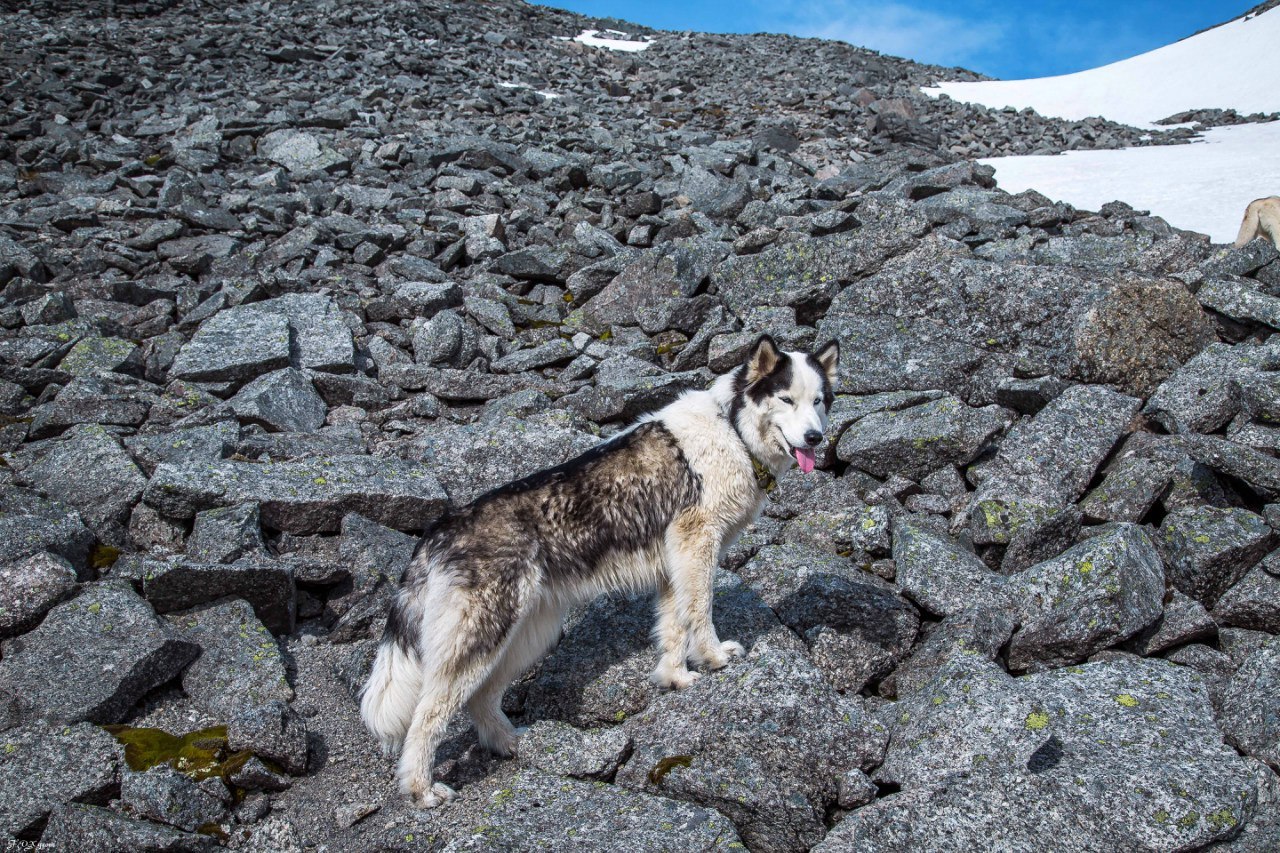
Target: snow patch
x=612, y=40
x=1235, y=65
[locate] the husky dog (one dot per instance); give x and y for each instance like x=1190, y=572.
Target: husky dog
x=653, y=508
x=1261, y=219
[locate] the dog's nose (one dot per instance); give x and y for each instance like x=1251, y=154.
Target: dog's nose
x=813, y=438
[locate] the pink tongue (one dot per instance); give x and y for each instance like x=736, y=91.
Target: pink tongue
x=804, y=458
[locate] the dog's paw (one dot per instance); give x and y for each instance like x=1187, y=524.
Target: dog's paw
x=505, y=746
x=673, y=679
x=437, y=795
x=733, y=649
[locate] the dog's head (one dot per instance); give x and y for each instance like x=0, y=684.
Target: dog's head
x=783, y=399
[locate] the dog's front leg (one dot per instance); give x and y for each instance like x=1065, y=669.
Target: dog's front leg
x=692, y=550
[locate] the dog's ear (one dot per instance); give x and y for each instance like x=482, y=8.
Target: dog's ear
x=829, y=358
x=763, y=359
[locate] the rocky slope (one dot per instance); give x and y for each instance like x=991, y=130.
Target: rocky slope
x=281, y=281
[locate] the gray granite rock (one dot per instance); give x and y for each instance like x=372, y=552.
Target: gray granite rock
x=1131, y=745
x=29, y=588
x=1207, y=549
x=267, y=584
x=239, y=664
x=226, y=534
x=1250, y=714
x=470, y=459
x=541, y=811
x=299, y=152
x=93, y=829
x=30, y=525
x=1241, y=300
x=1262, y=833
x=918, y=440
x=1047, y=462
x=93, y=657
x=164, y=795
x=282, y=401
x=88, y=470
x=855, y=624
x=1098, y=594
x=1260, y=471
x=1253, y=602
x=271, y=729
x=1184, y=620
x=1204, y=393
x=321, y=338
x=729, y=743
x=942, y=577
x=43, y=767
x=557, y=748
x=306, y=496
x=184, y=444
x=980, y=631
x=235, y=345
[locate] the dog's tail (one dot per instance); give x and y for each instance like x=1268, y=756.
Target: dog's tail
x=1249, y=227
x=391, y=693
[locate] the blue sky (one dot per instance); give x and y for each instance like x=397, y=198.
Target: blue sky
x=1002, y=38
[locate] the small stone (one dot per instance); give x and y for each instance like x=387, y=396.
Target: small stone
x=29, y=588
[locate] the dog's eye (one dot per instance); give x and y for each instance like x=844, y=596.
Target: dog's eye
x=787, y=400
x=817, y=401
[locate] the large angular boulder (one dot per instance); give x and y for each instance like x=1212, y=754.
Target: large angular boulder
x=93, y=657
x=1207, y=549
x=730, y=742
x=918, y=440
x=1121, y=755
x=234, y=345
x=1250, y=713
x=42, y=767
x=305, y=496
x=1047, y=462
x=1093, y=596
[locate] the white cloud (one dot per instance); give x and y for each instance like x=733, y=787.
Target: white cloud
x=893, y=28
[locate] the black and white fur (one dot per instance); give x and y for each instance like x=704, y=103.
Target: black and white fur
x=652, y=508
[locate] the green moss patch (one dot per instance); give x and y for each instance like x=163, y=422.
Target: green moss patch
x=200, y=754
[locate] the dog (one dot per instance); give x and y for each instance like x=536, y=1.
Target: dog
x=652, y=508
x=1261, y=219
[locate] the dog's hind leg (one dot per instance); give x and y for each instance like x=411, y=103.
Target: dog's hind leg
x=537, y=632
x=468, y=639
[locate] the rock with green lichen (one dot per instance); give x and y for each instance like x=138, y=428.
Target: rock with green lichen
x=915, y=441
x=93, y=657
x=979, y=631
x=1207, y=550
x=270, y=729
x=555, y=747
x=1250, y=713
x=184, y=444
x=1262, y=833
x=733, y=740
x=239, y=664
x=1093, y=596
x=1259, y=471
x=86, y=469
x=1136, y=477
x=93, y=829
x=1184, y=620
x=42, y=767
x=98, y=355
x=471, y=459
x=226, y=534
x=1121, y=755
x=108, y=399
x=942, y=577
x=29, y=587
x=1047, y=462
x=856, y=625
x=536, y=810
x=304, y=496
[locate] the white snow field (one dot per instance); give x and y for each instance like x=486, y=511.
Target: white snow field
x=1200, y=187
x=602, y=38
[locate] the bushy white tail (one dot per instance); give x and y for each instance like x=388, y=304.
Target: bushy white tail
x=391, y=694
x=1249, y=227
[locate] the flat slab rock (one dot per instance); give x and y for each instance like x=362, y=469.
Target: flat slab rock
x=988, y=761
x=305, y=496
x=42, y=767
x=234, y=345
x=93, y=657
x=539, y=811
